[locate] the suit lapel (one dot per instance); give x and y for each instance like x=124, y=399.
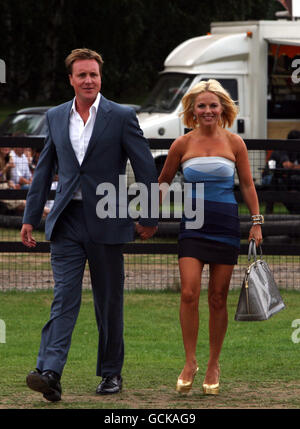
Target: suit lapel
x=102, y=119
x=65, y=121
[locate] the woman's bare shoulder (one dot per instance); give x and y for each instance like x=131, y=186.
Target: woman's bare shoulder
x=236, y=142
x=180, y=143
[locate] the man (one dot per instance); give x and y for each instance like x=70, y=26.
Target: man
x=280, y=179
x=89, y=142
x=291, y=160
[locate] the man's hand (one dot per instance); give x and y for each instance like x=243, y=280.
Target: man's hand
x=145, y=232
x=26, y=236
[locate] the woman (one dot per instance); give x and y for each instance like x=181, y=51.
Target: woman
x=209, y=153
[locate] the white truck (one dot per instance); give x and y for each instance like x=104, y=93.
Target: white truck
x=258, y=62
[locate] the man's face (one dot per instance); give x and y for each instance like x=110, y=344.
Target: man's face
x=19, y=151
x=86, y=80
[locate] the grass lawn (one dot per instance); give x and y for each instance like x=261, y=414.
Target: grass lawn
x=260, y=365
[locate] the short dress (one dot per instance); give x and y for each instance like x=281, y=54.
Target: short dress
x=218, y=239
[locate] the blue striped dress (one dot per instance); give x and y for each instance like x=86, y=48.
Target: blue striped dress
x=221, y=227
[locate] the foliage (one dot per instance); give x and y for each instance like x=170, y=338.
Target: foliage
x=133, y=36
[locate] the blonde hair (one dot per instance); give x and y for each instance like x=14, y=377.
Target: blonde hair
x=230, y=109
x=83, y=54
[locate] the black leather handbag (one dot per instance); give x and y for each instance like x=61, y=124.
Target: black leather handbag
x=259, y=297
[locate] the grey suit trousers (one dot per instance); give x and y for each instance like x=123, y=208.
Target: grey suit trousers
x=71, y=247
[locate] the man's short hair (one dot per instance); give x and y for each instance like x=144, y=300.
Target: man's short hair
x=83, y=54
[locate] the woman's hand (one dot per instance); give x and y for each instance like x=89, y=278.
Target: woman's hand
x=256, y=234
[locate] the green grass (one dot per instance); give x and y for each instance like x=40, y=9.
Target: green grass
x=257, y=357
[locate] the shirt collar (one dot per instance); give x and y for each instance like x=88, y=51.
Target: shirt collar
x=93, y=106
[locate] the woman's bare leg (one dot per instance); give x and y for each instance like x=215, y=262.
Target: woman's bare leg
x=190, y=274
x=220, y=276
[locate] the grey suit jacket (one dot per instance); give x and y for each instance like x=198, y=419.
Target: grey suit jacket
x=116, y=137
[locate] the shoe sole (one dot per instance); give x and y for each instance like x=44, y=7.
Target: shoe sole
x=109, y=393
x=183, y=390
x=37, y=383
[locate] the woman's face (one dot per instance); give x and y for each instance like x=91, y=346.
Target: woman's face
x=207, y=108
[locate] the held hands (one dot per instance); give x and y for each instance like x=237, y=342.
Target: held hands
x=26, y=236
x=145, y=232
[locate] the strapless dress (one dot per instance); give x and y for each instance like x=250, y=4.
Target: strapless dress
x=218, y=239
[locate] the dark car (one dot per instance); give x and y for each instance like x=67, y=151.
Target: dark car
x=25, y=122
x=30, y=122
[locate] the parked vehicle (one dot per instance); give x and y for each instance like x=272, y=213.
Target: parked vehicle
x=26, y=122
x=30, y=121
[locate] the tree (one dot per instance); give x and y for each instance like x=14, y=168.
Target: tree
x=133, y=36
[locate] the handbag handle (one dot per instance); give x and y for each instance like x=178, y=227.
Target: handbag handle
x=252, y=250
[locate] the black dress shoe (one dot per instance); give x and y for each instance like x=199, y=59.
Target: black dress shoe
x=46, y=382
x=110, y=385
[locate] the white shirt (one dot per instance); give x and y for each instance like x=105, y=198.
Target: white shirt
x=80, y=133
x=21, y=168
